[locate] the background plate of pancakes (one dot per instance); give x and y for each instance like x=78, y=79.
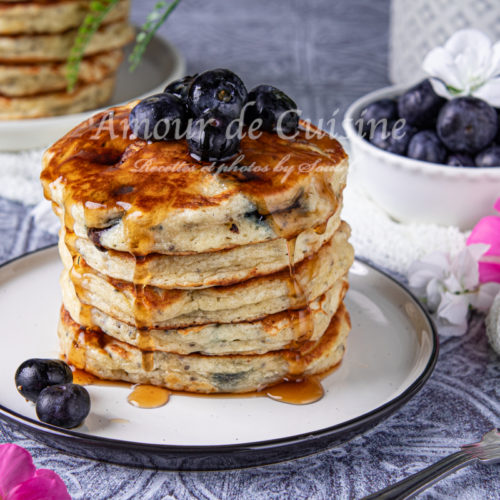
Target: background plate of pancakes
x=161, y=64
x=391, y=351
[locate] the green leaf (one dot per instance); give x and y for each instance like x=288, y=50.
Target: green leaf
x=453, y=90
x=154, y=21
x=93, y=20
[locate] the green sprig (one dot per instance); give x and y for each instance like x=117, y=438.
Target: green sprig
x=154, y=21
x=98, y=9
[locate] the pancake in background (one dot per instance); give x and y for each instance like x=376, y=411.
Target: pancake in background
x=85, y=96
x=22, y=80
x=31, y=49
x=51, y=17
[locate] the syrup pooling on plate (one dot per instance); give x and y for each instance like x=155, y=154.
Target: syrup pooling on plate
x=148, y=396
x=299, y=392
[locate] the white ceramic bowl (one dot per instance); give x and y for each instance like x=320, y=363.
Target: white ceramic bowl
x=417, y=191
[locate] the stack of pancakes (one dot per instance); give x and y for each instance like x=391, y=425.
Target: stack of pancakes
x=225, y=278
x=35, y=41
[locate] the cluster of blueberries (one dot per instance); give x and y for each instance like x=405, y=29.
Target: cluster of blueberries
x=208, y=110
x=461, y=132
x=49, y=384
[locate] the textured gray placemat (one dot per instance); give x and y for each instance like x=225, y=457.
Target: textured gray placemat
x=325, y=54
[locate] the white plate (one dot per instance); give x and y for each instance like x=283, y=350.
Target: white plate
x=390, y=353
x=161, y=64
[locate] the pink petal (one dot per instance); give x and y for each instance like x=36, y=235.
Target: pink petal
x=16, y=466
x=487, y=230
x=489, y=271
x=497, y=205
x=44, y=485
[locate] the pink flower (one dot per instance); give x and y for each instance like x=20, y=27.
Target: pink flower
x=20, y=480
x=487, y=231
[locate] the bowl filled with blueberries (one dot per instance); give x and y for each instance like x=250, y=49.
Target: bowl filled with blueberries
x=424, y=158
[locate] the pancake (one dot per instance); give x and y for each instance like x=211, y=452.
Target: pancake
x=204, y=269
x=30, y=79
x=146, y=306
x=108, y=358
x=129, y=195
x=56, y=47
x=51, y=17
x=274, y=332
x=84, y=97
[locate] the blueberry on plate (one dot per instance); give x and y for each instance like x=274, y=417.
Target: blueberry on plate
x=277, y=111
x=393, y=136
x=426, y=146
x=180, y=88
x=217, y=90
x=489, y=157
x=159, y=117
x=420, y=105
x=213, y=137
x=460, y=160
x=34, y=375
x=63, y=405
x=383, y=109
x=467, y=125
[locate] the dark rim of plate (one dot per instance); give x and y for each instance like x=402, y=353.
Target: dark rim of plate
x=184, y=450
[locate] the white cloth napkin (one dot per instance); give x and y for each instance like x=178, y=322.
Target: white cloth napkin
x=19, y=176
x=388, y=243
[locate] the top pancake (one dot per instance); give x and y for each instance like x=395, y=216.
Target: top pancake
x=129, y=195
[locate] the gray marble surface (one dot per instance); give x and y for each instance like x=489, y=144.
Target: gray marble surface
x=324, y=53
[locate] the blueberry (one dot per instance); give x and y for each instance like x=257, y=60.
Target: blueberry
x=217, y=90
x=180, y=88
x=420, y=105
x=159, y=117
x=467, y=125
x=489, y=157
x=426, y=146
x=384, y=109
x=213, y=137
x=274, y=108
x=63, y=405
x=460, y=160
x=34, y=375
x=393, y=136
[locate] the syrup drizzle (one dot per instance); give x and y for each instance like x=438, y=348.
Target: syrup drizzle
x=82, y=377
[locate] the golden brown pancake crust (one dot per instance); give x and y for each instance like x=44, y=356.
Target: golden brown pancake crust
x=108, y=358
x=114, y=176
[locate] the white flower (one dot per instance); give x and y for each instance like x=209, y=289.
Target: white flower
x=468, y=64
x=451, y=287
